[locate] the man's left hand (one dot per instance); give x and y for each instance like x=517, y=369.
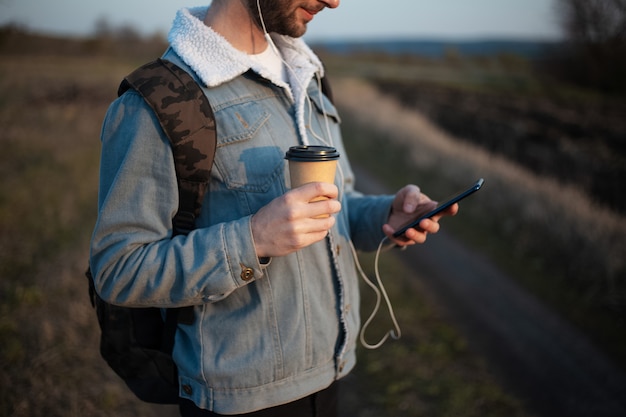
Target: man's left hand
x=409, y=204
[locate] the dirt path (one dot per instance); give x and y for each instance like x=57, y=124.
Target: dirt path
x=545, y=361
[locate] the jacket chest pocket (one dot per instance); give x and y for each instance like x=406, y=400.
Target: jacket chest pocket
x=249, y=157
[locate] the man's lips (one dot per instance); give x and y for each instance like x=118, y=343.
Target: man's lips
x=309, y=13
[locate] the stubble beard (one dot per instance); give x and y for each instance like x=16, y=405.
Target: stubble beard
x=278, y=16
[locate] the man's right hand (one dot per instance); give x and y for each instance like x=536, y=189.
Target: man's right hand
x=292, y=222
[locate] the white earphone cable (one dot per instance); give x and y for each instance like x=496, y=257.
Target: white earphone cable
x=380, y=292
x=395, y=333
x=328, y=141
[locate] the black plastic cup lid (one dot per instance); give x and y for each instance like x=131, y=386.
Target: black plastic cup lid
x=305, y=153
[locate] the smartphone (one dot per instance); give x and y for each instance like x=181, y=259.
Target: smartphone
x=414, y=224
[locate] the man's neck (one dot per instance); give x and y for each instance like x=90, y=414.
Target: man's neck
x=232, y=20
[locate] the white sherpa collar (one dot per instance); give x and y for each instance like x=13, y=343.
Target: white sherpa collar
x=216, y=61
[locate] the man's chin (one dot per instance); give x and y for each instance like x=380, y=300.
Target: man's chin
x=299, y=31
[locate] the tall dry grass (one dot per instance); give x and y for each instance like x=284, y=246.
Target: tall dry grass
x=574, y=246
x=51, y=109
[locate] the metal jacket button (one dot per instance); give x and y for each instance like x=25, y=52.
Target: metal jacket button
x=246, y=273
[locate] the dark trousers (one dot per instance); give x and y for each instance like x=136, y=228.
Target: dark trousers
x=320, y=404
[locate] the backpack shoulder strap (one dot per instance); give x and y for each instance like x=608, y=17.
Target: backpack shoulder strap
x=326, y=89
x=187, y=119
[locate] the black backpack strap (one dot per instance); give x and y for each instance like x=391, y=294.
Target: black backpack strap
x=326, y=89
x=187, y=119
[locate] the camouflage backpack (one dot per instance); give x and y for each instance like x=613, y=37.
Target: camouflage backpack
x=136, y=342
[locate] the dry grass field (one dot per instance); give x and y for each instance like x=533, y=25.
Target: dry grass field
x=556, y=238
x=51, y=109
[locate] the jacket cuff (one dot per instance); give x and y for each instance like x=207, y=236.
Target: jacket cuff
x=244, y=263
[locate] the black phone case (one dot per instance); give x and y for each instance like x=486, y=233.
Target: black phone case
x=415, y=223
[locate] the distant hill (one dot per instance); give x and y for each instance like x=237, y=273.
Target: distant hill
x=433, y=48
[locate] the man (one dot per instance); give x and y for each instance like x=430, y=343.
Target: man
x=273, y=283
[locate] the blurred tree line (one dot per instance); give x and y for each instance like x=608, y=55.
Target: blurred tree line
x=594, y=53
x=123, y=41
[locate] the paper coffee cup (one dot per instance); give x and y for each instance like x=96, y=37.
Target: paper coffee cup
x=312, y=164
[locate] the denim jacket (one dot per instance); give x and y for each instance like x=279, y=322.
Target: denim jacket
x=263, y=334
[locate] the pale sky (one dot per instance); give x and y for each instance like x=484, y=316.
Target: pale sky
x=355, y=19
